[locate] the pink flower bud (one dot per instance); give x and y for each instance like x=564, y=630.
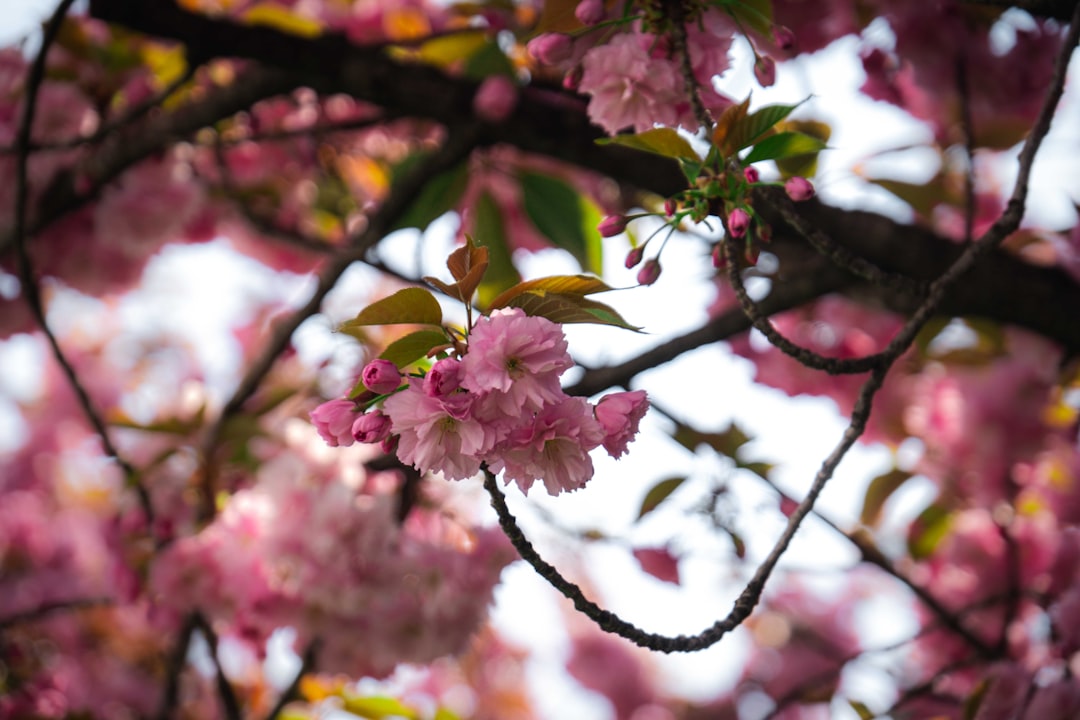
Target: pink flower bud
x=371, y=427
x=443, y=378
x=551, y=48
x=783, y=37
x=333, y=419
x=496, y=99
x=635, y=256
x=381, y=376
x=612, y=225
x=590, y=12
x=572, y=80
x=751, y=174
x=738, y=222
x=670, y=207
x=799, y=188
x=765, y=71
x=718, y=260
x=649, y=272
x=752, y=253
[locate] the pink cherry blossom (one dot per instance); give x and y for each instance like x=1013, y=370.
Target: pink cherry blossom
x=619, y=414
x=443, y=378
x=515, y=360
x=435, y=436
x=371, y=427
x=629, y=87
x=590, y=12
x=554, y=448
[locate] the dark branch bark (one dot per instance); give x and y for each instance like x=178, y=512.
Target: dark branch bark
x=549, y=122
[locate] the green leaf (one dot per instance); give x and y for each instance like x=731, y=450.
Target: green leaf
x=410, y=348
x=783, y=145
x=555, y=284
x=658, y=493
x=490, y=231
x=755, y=14
x=862, y=710
x=726, y=442
x=564, y=216
x=878, y=492
x=376, y=708
x=488, y=60
x=568, y=309
x=749, y=129
x=761, y=469
x=804, y=165
x=660, y=141
x=438, y=197
x=928, y=530
x=411, y=305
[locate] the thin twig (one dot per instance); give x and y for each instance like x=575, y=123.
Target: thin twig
x=175, y=668
x=307, y=664
x=30, y=289
x=229, y=703
x=52, y=608
x=108, y=128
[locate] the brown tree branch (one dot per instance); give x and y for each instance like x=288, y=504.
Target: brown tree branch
x=549, y=122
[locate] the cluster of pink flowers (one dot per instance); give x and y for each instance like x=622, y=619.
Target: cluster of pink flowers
x=324, y=553
x=500, y=404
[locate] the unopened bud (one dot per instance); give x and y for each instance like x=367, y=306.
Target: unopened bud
x=718, y=260
x=551, y=48
x=495, y=99
x=590, y=12
x=751, y=174
x=799, y=188
x=765, y=71
x=635, y=256
x=649, y=272
x=572, y=80
x=611, y=226
x=670, y=207
x=783, y=37
x=738, y=222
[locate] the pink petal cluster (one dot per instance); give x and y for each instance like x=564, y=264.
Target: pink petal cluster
x=501, y=404
x=333, y=561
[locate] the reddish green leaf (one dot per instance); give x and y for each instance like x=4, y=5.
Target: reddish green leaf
x=928, y=530
x=376, y=707
x=754, y=14
x=726, y=125
x=862, y=710
x=568, y=309
x=410, y=348
x=411, y=305
x=490, y=231
x=556, y=284
x=564, y=216
x=658, y=562
x=752, y=127
x=658, y=493
x=784, y=145
x=467, y=265
x=726, y=442
x=659, y=141
x=878, y=492
x=803, y=165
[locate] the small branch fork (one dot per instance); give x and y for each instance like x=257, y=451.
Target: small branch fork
x=27, y=277
x=751, y=594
